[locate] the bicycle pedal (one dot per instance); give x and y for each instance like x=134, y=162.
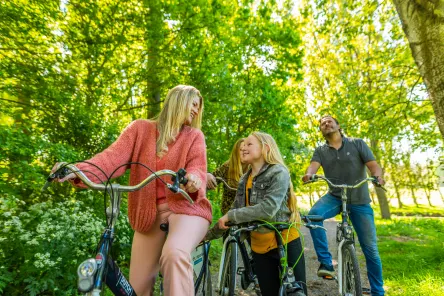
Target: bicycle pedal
x=240, y=270
x=366, y=291
x=327, y=277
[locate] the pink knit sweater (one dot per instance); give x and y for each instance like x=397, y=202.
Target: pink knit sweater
x=137, y=143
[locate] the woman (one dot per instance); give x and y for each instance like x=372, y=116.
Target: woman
x=172, y=141
x=231, y=171
x=267, y=192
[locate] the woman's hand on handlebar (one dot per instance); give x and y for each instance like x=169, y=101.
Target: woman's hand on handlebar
x=193, y=184
x=67, y=177
x=211, y=181
x=222, y=221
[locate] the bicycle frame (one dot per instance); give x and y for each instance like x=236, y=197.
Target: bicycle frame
x=200, y=263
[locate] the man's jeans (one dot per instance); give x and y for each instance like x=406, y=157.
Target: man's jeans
x=363, y=222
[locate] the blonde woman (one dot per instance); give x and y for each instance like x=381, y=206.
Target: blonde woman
x=172, y=141
x=265, y=193
x=231, y=171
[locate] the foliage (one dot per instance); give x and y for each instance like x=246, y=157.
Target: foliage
x=411, y=252
x=74, y=73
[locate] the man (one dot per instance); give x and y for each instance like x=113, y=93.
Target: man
x=344, y=161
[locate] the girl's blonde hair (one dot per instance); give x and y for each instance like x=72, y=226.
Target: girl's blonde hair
x=235, y=169
x=272, y=155
x=176, y=109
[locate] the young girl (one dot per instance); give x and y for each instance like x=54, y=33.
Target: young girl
x=265, y=193
x=172, y=141
x=231, y=171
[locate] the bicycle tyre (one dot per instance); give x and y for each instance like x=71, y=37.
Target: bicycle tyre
x=228, y=279
x=351, y=277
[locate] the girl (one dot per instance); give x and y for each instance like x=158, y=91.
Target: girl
x=172, y=141
x=231, y=171
x=265, y=193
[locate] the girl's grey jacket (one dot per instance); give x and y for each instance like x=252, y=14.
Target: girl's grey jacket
x=267, y=199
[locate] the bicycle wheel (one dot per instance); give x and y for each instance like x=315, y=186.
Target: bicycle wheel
x=228, y=279
x=351, y=277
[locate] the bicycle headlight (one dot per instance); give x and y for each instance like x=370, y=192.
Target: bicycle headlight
x=87, y=268
x=86, y=272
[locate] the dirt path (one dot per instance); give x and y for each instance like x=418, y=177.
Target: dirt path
x=316, y=286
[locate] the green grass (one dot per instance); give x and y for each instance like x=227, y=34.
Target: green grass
x=421, y=210
x=412, y=254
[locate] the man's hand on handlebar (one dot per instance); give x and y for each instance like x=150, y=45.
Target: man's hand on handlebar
x=381, y=181
x=307, y=178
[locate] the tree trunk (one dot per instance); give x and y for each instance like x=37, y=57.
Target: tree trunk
x=423, y=23
x=380, y=193
x=153, y=36
x=440, y=194
x=398, y=194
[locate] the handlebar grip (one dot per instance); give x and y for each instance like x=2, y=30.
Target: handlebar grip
x=60, y=173
x=229, y=224
x=313, y=177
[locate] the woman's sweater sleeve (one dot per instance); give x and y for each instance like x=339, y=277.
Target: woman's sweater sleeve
x=119, y=153
x=196, y=162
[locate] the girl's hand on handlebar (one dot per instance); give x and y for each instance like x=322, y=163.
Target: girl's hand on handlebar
x=222, y=221
x=193, y=184
x=67, y=177
x=211, y=181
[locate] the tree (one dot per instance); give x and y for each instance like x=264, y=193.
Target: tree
x=423, y=24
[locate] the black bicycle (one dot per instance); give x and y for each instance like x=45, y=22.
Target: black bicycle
x=94, y=272
x=236, y=240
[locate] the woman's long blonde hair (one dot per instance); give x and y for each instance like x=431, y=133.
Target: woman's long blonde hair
x=176, y=109
x=235, y=169
x=272, y=155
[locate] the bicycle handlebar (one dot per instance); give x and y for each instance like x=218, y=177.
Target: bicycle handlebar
x=225, y=183
x=279, y=226
x=178, y=178
x=373, y=179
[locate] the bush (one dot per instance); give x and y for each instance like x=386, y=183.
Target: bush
x=41, y=246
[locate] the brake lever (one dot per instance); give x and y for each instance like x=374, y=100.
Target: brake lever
x=58, y=174
x=185, y=194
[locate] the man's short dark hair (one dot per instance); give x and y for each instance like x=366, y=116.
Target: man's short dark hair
x=320, y=120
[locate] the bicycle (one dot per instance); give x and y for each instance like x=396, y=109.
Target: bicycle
x=228, y=267
x=349, y=276
x=94, y=272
